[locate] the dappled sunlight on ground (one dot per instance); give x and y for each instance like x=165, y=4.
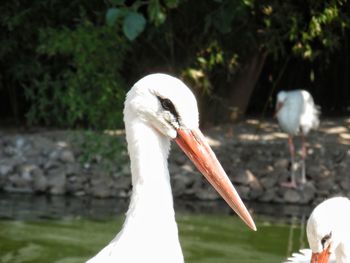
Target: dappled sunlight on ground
x=330, y=130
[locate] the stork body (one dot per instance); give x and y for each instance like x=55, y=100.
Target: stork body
x=328, y=233
x=159, y=108
x=297, y=114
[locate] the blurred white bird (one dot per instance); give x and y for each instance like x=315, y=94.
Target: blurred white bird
x=328, y=233
x=296, y=113
x=157, y=109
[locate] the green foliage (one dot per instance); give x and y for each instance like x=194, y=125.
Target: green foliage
x=85, y=88
x=134, y=22
x=311, y=30
x=64, y=62
x=107, y=149
x=325, y=28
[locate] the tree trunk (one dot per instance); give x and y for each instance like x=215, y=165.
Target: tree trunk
x=243, y=84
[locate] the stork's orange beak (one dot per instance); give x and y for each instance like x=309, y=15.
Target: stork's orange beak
x=194, y=144
x=321, y=257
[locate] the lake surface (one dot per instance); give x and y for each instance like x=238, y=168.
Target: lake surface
x=60, y=230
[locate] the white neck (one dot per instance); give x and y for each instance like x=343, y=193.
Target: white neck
x=148, y=151
x=150, y=225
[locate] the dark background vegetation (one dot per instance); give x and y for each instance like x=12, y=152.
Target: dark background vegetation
x=69, y=63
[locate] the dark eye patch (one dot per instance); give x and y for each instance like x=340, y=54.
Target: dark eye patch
x=325, y=238
x=169, y=106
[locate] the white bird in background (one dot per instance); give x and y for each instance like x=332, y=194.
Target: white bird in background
x=296, y=114
x=159, y=108
x=328, y=233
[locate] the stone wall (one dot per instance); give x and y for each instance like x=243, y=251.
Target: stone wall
x=253, y=153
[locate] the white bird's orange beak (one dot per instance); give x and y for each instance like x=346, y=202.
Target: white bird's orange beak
x=194, y=144
x=321, y=257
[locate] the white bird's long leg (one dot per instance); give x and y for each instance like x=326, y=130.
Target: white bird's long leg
x=292, y=182
x=303, y=157
x=292, y=160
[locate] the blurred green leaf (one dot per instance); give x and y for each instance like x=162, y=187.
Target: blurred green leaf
x=134, y=24
x=155, y=13
x=112, y=16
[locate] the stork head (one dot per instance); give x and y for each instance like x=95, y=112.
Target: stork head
x=327, y=227
x=167, y=104
x=281, y=98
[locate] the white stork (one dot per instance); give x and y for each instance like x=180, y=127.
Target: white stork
x=328, y=233
x=296, y=114
x=160, y=108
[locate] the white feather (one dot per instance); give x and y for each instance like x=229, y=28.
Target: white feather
x=304, y=256
x=298, y=113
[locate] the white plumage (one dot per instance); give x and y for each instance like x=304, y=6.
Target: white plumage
x=159, y=108
x=296, y=113
x=328, y=232
x=304, y=256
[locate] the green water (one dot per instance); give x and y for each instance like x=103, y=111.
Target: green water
x=204, y=239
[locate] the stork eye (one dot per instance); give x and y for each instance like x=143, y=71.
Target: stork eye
x=167, y=104
x=325, y=239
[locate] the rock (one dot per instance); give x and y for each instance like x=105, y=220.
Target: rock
x=5, y=169
x=125, y=170
x=44, y=145
x=26, y=170
x=268, y=195
x=256, y=190
x=281, y=164
x=101, y=185
x=344, y=181
x=54, y=155
x=325, y=183
x=10, y=151
x=269, y=181
x=56, y=181
x=264, y=170
x=22, y=184
x=178, y=157
x=75, y=184
x=39, y=182
x=100, y=191
x=121, y=181
x=187, y=168
x=20, y=142
x=206, y=193
x=67, y=156
x=51, y=164
x=180, y=182
x=72, y=168
x=243, y=177
x=308, y=192
x=243, y=191
x=291, y=196
x=174, y=169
